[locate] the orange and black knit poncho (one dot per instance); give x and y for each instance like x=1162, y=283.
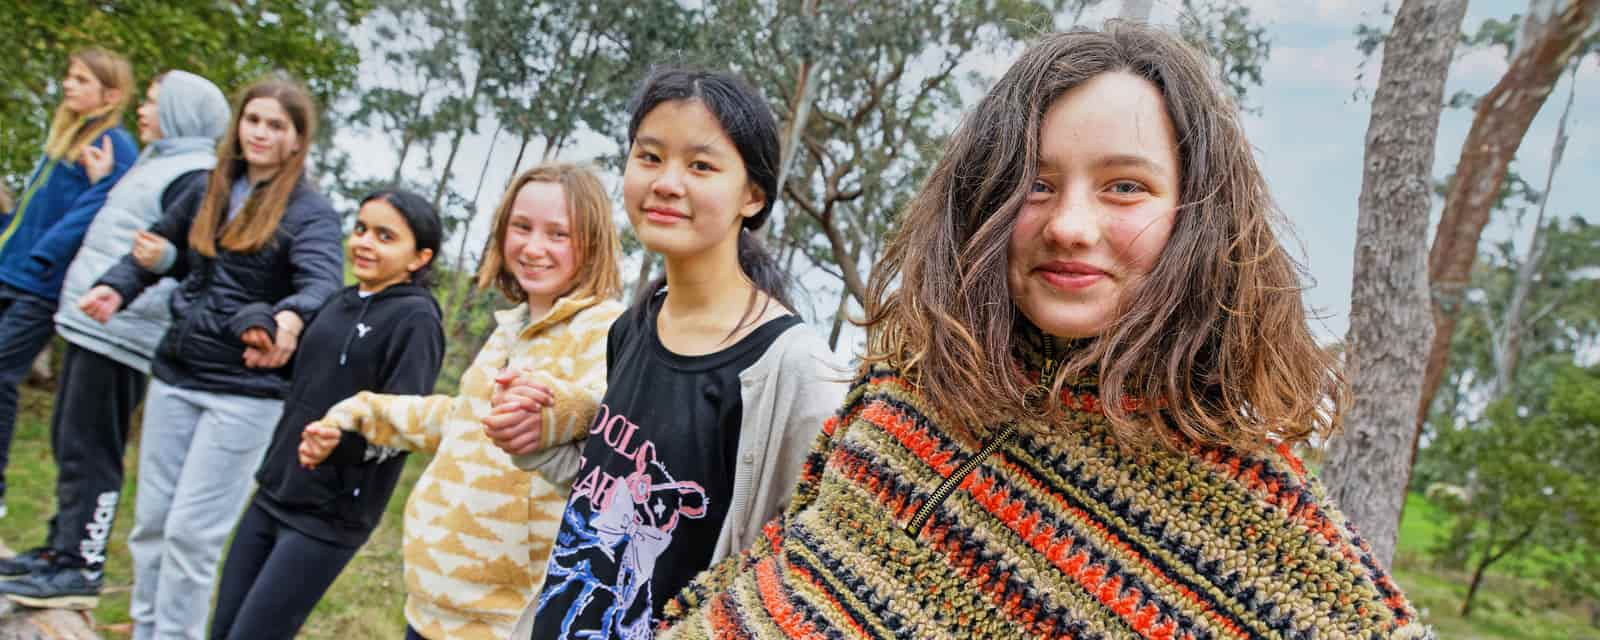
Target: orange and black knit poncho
x=1065, y=536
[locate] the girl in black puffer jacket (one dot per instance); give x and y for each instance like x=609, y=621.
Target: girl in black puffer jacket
x=259, y=255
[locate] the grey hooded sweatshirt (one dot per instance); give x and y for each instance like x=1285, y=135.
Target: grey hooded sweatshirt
x=193, y=114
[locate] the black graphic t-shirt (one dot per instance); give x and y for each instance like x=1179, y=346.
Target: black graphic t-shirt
x=654, y=483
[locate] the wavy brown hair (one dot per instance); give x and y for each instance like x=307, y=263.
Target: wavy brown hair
x=70, y=130
x=1213, y=342
x=257, y=222
x=594, y=234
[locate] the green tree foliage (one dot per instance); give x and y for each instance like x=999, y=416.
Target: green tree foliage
x=1530, y=490
x=554, y=69
x=1227, y=32
x=231, y=43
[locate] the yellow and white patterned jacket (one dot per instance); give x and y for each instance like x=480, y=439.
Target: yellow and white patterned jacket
x=478, y=530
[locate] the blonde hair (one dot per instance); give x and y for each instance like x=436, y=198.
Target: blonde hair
x=258, y=220
x=594, y=234
x=70, y=130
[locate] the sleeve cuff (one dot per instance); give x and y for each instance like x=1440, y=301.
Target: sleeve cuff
x=352, y=449
x=252, y=316
x=169, y=257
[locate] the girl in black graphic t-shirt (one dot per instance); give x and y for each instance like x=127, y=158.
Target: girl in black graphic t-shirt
x=715, y=388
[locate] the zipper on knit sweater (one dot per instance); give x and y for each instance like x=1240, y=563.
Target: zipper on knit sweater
x=949, y=485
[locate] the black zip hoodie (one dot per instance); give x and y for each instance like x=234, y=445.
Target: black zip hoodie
x=390, y=342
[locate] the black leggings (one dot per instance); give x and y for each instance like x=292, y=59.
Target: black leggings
x=272, y=578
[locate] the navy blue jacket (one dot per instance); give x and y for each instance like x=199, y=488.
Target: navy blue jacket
x=39, y=238
x=218, y=298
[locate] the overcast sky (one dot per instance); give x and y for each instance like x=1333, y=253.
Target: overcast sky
x=1309, y=136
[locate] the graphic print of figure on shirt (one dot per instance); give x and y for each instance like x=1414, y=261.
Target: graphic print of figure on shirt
x=630, y=526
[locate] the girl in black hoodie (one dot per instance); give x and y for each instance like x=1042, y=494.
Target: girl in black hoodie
x=383, y=335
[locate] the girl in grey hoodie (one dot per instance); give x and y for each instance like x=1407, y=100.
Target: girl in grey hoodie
x=105, y=367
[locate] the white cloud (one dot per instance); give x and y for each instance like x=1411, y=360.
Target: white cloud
x=1332, y=66
x=1320, y=13
x=1478, y=69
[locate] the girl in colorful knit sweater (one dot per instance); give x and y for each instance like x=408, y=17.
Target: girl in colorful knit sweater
x=1088, y=360
x=715, y=387
x=478, y=529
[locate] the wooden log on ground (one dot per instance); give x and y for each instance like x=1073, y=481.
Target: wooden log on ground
x=23, y=623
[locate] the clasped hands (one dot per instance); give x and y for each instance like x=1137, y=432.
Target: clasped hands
x=515, y=422
x=268, y=351
x=516, y=417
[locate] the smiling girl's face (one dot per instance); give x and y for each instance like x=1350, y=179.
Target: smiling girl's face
x=267, y=135
x=383, y=249
x=1102, y=208
x=685, y=186
x=539, y=250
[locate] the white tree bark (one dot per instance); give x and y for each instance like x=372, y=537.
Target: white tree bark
x=1515, y=322
x=1390, y=322
x=1551, y=33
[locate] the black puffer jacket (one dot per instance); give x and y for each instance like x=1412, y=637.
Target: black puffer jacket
x=217, y=298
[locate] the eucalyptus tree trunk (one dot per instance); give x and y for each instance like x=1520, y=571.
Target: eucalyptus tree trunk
x=1390, y=327
x=1551, y=34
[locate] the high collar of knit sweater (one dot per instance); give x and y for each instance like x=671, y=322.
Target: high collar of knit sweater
x=1040, y=356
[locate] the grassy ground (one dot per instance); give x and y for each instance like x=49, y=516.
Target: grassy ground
x=1507, y=605
x=366, y=601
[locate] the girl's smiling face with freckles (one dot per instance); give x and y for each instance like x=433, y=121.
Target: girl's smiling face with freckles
x=685, y=187
x=1099, y=214
x=539, y=250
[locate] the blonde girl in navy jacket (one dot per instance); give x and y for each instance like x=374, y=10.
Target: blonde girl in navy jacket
x=85, y=154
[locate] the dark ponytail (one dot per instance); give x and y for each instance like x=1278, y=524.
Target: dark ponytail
x=748, y=122
x=762, y=269
x=426, y=227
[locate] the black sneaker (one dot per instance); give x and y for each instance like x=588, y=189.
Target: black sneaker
x=28, y=562
x=58, y=587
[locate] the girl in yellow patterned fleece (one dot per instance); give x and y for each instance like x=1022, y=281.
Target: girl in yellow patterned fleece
x=478, y=529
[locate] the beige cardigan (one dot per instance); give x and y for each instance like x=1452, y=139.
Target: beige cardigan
x=478, y=530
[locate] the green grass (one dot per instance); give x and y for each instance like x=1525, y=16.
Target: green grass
x=1510, y=604
x=364, y=604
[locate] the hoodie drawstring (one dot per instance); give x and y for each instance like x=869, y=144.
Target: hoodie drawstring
x=344, y=353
